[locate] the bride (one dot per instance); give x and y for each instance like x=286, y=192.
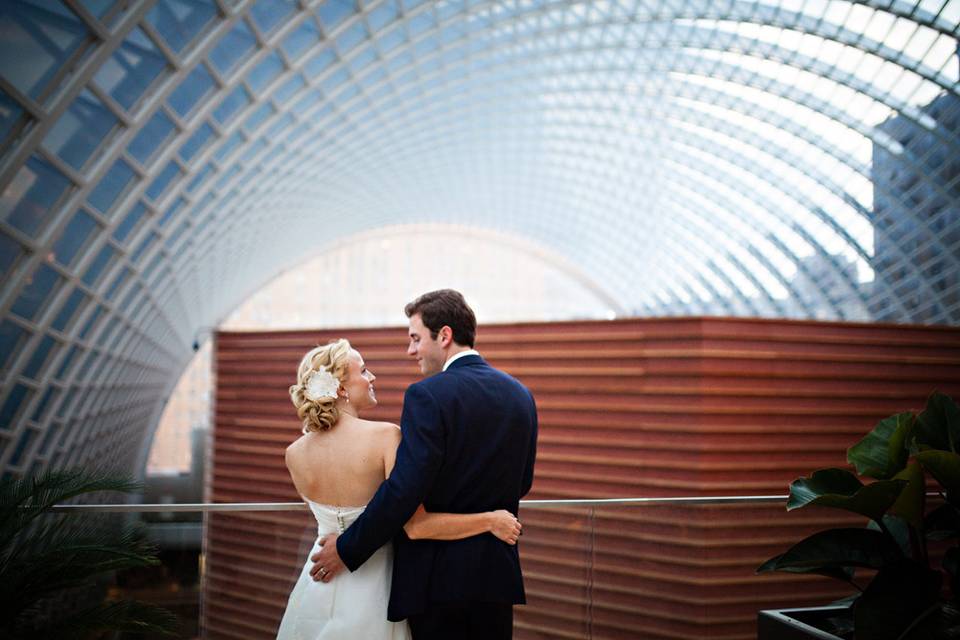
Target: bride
x=336, y=466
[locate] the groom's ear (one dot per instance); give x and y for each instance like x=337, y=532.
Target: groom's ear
x=445, y=335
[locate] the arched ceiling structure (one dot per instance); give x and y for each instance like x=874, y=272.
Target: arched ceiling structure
x=162, y=159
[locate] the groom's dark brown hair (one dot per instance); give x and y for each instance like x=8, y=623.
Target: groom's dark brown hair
x=446, y=307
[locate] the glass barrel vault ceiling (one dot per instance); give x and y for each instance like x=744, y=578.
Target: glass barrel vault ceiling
x=162, y=160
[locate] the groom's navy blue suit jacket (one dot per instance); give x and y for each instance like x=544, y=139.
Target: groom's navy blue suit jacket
x=469, y=442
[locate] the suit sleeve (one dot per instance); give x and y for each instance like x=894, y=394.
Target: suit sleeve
x=532, y=451
x=419, y=457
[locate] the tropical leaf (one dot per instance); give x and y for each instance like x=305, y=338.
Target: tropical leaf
x=835, y=552
x=944, y=466
x=24, y=499
x=911, y=501
x=40, y=557
x=841, y=489
x=126, y=615
x=883, y=452
x=938, y=425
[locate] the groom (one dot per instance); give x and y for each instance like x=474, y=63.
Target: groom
x=469, y=441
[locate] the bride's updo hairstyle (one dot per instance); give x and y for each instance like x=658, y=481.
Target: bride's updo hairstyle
x=320, y=413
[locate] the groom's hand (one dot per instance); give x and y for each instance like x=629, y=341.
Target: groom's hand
x=326, y=562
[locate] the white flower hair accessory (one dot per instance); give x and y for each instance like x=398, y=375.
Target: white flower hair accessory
x=321, y=385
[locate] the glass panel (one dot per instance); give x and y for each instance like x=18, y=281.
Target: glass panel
x=277, y=128
x=34, y=296
x=98, y=8
x=228, y=147
x=333, y=12
x=363, y=59
x=40, y=355
x=267, y=14
x=117, y=283
x=10, y=112
x=351, y=38
x=114, y=183
x=89, y=324
x=176, y=235
x=31, y=195
x=179, y=21
x=264, y=73
x=69, y=310
x=148, y=272
x=258, y=117
x=18, y=394
x=194, y=87
x=11, y=337
x=233, y=48
x=420, y=23
x=170, y=175
x=288, y=88
x=231, y=105
x=40, y=412
x=79, y=131
x=318, y=63
x=95, y=269
x=67, y=360
x=10, y=252
x=41, y=35
x=131, y=70
x=151, y=137
x=334, y=81
x=297, y=43
x=200, y=178
x=74, y=237
x=144, y=247
x=130, y=222
x=172, y=211
x=197, y=142
x=383, y=15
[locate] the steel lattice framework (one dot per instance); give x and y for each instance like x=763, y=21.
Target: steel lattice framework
x=163, y=159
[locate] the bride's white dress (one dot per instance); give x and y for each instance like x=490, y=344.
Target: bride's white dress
x=352, y=605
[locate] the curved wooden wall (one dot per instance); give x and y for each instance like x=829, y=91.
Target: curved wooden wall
x=664, y=407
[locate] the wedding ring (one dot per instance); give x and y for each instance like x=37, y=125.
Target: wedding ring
x=323, y=571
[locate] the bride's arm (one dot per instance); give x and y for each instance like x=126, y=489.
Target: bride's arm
x=451, y=526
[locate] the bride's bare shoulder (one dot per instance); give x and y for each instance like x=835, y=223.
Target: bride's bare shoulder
x=383, y=429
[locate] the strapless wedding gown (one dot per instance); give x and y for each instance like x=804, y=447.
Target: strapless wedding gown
x=352, y=605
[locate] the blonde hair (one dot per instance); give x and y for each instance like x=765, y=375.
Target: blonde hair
x=320, y=415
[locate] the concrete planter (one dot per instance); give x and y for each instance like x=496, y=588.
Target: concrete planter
x=797, y=624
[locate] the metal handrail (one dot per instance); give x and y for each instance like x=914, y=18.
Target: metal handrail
x=297, y=506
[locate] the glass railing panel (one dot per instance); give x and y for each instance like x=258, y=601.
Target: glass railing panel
x=673, y=569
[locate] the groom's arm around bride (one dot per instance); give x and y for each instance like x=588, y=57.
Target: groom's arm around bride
x=468, y=445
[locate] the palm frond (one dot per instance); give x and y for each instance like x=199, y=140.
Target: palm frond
x=24, y=499
x=40, y=558
x=123, y=615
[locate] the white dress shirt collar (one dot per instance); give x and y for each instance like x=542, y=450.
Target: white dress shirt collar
x=468, y=352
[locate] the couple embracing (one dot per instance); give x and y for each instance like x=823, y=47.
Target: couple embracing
x=417, y=524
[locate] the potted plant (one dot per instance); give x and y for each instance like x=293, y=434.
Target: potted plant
x=42, y=558
x=913, y=594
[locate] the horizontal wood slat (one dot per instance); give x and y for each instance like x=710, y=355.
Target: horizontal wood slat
x=661, y=407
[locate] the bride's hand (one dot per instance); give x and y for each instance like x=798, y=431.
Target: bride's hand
x=505, y=526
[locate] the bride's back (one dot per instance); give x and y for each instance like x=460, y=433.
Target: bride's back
x=344, y=465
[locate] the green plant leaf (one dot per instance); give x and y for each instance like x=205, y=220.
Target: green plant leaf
x=841, y=489
x=910, y=503
x=945, y=467
x=883, y=452
x=938, y=425
x=835, y=552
